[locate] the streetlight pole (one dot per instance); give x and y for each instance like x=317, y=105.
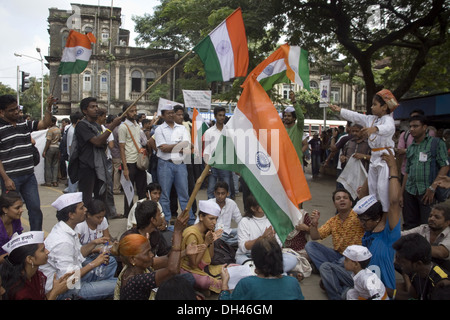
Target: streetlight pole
x=42, y=74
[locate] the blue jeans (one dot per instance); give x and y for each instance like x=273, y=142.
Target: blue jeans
x=27, y=187
x=318, y=253
x=216, y=175
x=173, y=174
x=330, y=264
x=94, y=287
x=336, y=279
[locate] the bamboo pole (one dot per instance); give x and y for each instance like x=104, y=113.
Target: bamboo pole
x=197, y=187
x=156, y=81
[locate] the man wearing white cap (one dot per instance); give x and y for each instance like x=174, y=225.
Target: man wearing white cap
x=171, y=139
x=294, y=122
x=67, y=254
x=367, y=285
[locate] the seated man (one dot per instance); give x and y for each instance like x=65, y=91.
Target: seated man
x=413, y=254
x=344, y=228
x=67, y=254
x=437, y=232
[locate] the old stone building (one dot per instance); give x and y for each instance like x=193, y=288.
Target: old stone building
x=117, y=73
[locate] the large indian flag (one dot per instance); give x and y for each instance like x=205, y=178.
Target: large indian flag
x=287, y=63
x=258, y=147
x=224, y=51
x=77, y=53
x=198, y=129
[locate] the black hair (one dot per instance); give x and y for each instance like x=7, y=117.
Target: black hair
x=154, y=186
x=12, y=269
x=177, y=287
x=8, y=199
x=95, y=206
x=419, y=111
x=144, y=212
x=420, y=118
x=380, y=100
x=6, y=100
x=63, y=214
x=267, y=257
x=178, y=107
x=75, y=117
x=250, y=202
x=413, y=247
x=445, y=208
x=221, y=184
x=341, y=190
x=218, y=109
x=84, y=104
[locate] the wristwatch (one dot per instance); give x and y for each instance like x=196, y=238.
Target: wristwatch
x=431, y=188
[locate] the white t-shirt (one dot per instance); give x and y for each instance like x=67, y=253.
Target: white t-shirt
x=250, y=229
x=87, y=234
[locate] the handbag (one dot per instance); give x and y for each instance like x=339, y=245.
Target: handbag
x=142, y=160
x=36, y=155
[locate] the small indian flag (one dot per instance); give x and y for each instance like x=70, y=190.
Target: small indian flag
x=287, y=63
x=77, y=53
x=199, y=127
x=257, y=146
x=224, y=51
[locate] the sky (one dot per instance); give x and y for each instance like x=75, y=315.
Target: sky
x=23, y=28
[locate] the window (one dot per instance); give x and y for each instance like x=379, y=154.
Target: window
x=64, y=37
x=335, y=94
x=104, y=82
x=286, y=89
x=150, y=76
x=313, y=85
x=87, y=81
x=136, y=81
x=65, y=84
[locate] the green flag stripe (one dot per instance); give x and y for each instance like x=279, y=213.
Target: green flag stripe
x=207, y=53
x=277, y=217
x=72, y=67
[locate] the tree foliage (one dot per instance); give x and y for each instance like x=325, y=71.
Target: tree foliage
x=410, y=38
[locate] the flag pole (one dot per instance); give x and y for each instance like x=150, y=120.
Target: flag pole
x=197, y=187
x=156, y=81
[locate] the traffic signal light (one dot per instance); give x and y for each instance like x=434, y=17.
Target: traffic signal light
x=25, y=81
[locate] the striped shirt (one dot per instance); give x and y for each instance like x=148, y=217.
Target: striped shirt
x=418, y=160
x=16, y=151
x=343, y=232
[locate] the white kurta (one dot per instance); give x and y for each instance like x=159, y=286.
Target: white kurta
x=378, y=175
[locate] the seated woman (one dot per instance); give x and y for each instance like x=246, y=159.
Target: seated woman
x=253, y=226
x=269, y=283
x=11, y=208
x=136, y=281
x=207, y=276
x=21, y=278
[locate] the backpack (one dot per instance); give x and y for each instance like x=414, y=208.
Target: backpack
x=63, y=146
x=223, y=253
x=440, y=194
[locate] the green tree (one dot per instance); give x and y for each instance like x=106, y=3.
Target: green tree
x=31, y=98
x=410, y=37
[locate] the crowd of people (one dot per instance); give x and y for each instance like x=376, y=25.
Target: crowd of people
x=390, y=230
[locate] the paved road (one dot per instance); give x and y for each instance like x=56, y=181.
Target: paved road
x=321, y=189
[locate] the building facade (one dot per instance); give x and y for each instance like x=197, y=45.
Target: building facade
x=117, y=73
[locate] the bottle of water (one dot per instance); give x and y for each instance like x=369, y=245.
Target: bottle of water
x=101, y=269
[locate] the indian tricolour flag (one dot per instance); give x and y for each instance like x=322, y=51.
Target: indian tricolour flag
x=258, y=147
x=287, y=63
x=198, y=129
x=77, y=53
x=224, y=51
